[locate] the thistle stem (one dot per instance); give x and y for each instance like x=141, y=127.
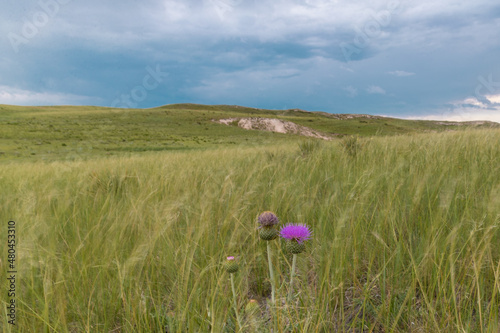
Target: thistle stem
x=271, y=273
x=294, y=262
x=234, y=301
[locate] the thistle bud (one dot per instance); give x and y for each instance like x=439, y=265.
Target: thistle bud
x=231, y=265
x=267, y=221
x=252, y=307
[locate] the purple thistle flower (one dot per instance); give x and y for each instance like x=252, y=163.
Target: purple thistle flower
x=297, y=232
x=267, y=219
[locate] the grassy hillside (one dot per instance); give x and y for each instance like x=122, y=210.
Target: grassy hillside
x=405, y=228
x=72, y=133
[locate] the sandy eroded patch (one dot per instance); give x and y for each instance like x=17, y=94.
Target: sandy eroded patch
x=274, y=125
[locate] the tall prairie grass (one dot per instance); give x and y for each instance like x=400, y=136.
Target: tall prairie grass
x=405, y=238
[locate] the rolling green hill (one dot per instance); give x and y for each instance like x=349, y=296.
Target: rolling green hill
x=77, y=132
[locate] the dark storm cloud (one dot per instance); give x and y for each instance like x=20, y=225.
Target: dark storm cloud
x=386, y=57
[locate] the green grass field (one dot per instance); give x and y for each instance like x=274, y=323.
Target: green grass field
x=405, y=227
x=85, y=132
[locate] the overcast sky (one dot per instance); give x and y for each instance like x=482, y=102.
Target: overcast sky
x=433, y=59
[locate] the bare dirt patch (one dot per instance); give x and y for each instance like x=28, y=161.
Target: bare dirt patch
x=274, y=125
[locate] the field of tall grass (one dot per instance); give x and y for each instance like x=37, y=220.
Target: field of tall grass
x=405, y=238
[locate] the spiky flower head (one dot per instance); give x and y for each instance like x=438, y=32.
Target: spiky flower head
x=267, y=219
x=297, y=232
x=231, y=265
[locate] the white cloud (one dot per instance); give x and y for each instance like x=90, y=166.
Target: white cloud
x=469, y=109
x=266, y=19
x=463, y=115
x=489, y=101
x=493, y=98
x=14, y=96
x=375, y=90
x=401, y=73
